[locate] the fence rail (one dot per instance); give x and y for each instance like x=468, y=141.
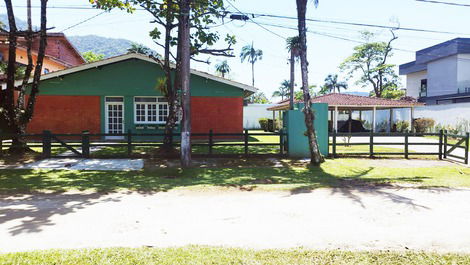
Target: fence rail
x=445, y=147
x=80, y=144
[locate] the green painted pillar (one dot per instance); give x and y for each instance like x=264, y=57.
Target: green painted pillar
x=295, y=128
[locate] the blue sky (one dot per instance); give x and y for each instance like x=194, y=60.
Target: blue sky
x=324, y=53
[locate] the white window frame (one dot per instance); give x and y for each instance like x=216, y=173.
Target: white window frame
x=146, y=110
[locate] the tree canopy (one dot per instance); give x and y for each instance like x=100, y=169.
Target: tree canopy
x=91, y=57
x=370, y=61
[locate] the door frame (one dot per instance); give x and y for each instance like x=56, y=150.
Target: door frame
x=106, y=117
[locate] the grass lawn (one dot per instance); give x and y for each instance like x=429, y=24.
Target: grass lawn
x=450, y=140
x=213, y=255
x=246, y=174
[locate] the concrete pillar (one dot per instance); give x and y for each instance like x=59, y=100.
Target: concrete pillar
x=412, y=117
x=335, y=122
x=374, y=113
x=390, y=123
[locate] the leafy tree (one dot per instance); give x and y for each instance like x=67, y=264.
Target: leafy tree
x=293, y=46
x=283, y=90
x=140, y=48
x=192, y=19
x=299, y=95
x=91, y=57
x=222, y=68
x=259, y=98
x=391, y=93
x=16, y=111
x=370, y=61
x=315, y=156
x=252, y=55
x=332, y=84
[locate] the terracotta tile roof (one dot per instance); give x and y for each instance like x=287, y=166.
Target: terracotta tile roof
x=337, y=99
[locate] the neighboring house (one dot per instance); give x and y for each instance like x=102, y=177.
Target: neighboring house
x=119, y=94
x=440, y=74
x=60, y=53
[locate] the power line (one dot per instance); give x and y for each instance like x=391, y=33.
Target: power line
x=359, y=24
x=443, y=3
x=250, y=19
x=308, y=19
x=83, y=21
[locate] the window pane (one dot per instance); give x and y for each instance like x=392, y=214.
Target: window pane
x=140, y=112
x=145, y=99
x=162, y=112
x=114, y=99
x=152, y=112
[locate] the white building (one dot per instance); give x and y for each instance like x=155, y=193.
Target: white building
x=440, y=74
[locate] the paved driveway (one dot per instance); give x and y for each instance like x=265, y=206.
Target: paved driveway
x=365, y=219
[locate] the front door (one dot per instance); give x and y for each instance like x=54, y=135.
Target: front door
x=114, y=108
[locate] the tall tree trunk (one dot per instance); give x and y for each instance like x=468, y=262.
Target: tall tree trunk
x=20, y=114
x=292, y=79
x=315, y=156
x=170, y=89
x=185, y=58
x=253, y=73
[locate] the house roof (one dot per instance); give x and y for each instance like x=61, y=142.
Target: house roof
x=435, y=52
x=52, y=52
x=120, y=58
x=353, y=101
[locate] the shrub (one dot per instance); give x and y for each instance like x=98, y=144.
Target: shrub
x=402, y=126
x=423, y=125
x=263, y=122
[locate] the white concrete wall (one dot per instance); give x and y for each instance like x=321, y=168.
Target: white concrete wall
x=253, y=112
x=448, y=114
x=413, y=83
x=463, y=71
x=442, y=76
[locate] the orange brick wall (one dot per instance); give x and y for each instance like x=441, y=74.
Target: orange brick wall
x=66, y=114
x=222, y=115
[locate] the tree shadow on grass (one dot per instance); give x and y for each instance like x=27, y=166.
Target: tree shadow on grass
x=34, y=213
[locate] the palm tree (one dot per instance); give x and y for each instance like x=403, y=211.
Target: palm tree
x=293, y=46
x=139, y=48
x=252, y=55
x=222, y=68
x=315, y=156
x=283, y=90
x=332, y=84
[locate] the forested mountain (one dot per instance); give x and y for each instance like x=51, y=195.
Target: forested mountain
x=97, y=44
x=101, y=45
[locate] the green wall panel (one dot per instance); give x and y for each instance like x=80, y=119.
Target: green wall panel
x=128, y=78
x=294, y=123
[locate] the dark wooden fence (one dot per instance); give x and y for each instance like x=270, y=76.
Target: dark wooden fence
x=445, y=148
x=80, y=144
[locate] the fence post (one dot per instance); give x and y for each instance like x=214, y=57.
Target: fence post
x=1, y=144
x=441, y=136
x=85, y=144
x=445, y=144
x=246, y=142
x=467, y=136
x=281, y=141
x=129, y=142
x=371, y=144
x=334, y=144
x=211, y=141
x=406, y=145
x=46, y=144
